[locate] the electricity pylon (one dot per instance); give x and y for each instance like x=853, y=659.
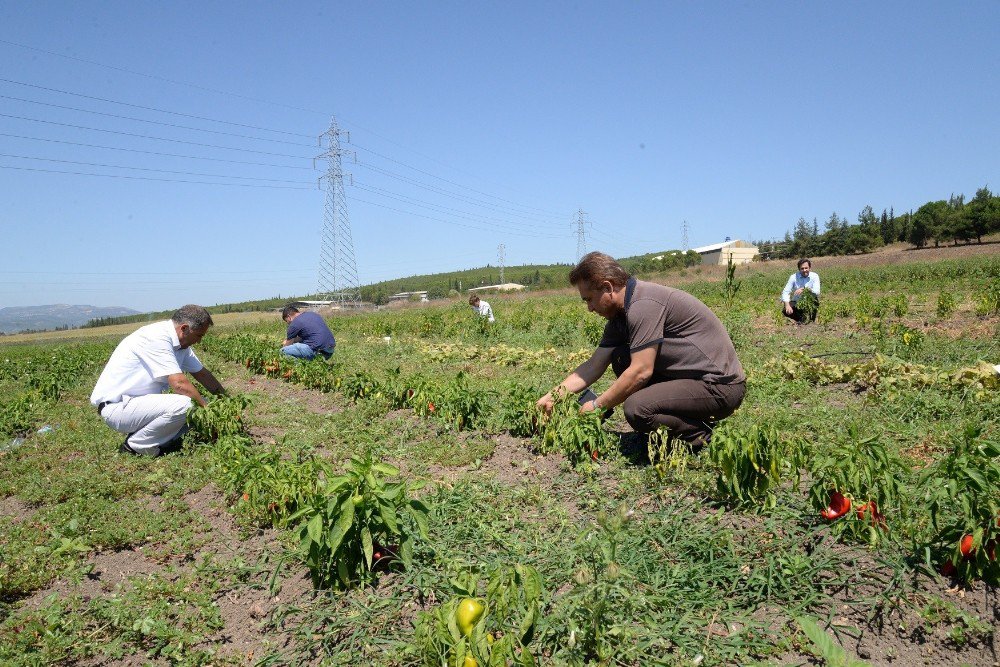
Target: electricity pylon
x=581, y=234
x=338, y=271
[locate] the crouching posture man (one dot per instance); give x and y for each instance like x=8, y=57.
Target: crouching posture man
x=129, y=394
x=675, y=362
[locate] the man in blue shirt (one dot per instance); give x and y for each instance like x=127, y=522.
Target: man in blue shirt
x=307, y=335
x=800, y=281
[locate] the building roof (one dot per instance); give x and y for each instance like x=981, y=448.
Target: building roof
x=505, y=287
x=719, y=246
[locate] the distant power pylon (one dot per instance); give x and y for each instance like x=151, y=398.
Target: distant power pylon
x=581, y=233
x=500, y=250
x=338, y=272
x=685, y=245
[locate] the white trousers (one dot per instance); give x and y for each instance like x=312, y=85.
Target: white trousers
x=152, y=420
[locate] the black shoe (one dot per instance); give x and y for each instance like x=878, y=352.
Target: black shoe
x=126, y=449
x=174, y=445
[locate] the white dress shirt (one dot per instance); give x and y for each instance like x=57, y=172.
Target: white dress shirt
x=141, y=363
x=795, y=281
x=484, y=310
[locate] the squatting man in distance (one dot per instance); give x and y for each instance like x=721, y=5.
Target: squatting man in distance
x=800, y=281
x=307, y=335
x=481, y=307
x=675, y=362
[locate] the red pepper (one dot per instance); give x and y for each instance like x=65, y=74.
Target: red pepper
x=838, y=507
x=948, y=568
x=877, y=518
x=593, y=455
x=965, y=546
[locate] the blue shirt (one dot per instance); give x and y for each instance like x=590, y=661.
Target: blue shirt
x=311, y=329
x=795, y=281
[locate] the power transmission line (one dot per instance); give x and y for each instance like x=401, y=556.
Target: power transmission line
x=445, y=180
x=136, y=150
x=500, y=251
x=154, y=122
x=156, y=109
x=439, y=208
x=460, y=197
x=144, y=136
x=163, y=171
x=456, y=224
x=160, y=180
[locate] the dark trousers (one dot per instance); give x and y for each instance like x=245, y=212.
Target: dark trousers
x=688, y=408
x=798, y=315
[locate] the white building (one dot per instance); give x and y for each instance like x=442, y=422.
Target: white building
x=719, y=253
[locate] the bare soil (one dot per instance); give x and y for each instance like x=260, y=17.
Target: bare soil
x=16, y=509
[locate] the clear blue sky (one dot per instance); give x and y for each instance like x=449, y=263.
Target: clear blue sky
x=474, y=124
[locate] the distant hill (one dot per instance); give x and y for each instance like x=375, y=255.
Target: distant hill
x=38, y=318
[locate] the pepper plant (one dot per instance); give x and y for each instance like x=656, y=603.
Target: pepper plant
x=223, y=416
x=867, y=475
x=351, y=514
x=494, y=630
x=752, y=463
x=962, y=493
x=578, y=435
x=267, y=483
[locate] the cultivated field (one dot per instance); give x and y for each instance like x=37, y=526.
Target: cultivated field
x=347, y=513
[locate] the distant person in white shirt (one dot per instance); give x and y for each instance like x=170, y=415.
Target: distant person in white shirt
x=129, y=394
x=481, y=307
x=800, y=281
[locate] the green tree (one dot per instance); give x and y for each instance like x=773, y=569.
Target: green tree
x=983, y=214
x=887, y=227
x=930, y=222
x=437, y=292
x=956, y=225
x=836, y=235
x=869, y=227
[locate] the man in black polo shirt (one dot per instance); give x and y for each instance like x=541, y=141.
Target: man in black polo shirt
x=307, y=335
x=675, y=362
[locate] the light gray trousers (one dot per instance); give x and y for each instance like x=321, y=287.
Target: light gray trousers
x=152, y=420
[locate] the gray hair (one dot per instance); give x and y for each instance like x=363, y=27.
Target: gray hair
x=194, y=316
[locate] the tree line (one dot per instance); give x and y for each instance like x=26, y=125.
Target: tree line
x=939, y=222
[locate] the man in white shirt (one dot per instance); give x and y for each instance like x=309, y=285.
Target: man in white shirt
x=800, y=281
x=481, y=307
x=129, y=394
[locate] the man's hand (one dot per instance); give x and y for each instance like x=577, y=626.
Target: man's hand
x=788, y=308
x=799, y=291
x=209, y=381
x=589, y=406
x=181, y=385
x=545, y=403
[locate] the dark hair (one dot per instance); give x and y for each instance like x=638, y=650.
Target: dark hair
x=287, y=312
x=802, y=261
x=596, y=267
x=194, y=316
x=473, y=298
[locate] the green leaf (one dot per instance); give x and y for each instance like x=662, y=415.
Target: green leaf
x=315, y=528
x=386, y=469
x=366, y=545
x=526, y=628
x=388, y=514
x=825, y=645
x=419, y=512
